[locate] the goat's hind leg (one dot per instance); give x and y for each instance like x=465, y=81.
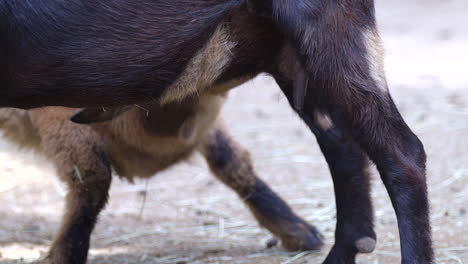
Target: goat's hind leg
x=231, y=164
x=82, y=165
x=348, y=166
x=343, y=62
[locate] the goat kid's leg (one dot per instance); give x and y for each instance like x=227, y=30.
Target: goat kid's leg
x=231, y=163
x=83, y=166
x=343, y=62
x=87, y=196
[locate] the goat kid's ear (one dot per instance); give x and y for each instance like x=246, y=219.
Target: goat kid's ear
x=98, y=114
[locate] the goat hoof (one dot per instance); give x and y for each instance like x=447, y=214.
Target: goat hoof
x=307, y=237
x=365, y=245
x=340, y=253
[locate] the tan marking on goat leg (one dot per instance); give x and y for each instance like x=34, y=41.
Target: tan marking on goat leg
x=375, y=58
x=203, y=69
x=226, y=86
x=323, y=121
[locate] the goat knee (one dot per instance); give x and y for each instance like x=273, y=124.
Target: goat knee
x=229, y=162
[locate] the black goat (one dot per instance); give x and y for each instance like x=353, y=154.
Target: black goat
x=324, y=54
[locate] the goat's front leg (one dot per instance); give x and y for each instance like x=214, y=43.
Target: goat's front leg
x=83, y=166
x=230, y=163
x=343, y=62
x=84, y=201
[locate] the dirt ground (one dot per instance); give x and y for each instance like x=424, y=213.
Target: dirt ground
x=189, y=217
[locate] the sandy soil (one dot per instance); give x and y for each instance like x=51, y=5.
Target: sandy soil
x=189, y=217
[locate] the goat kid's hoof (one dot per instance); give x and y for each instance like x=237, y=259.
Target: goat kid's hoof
x=305, y=237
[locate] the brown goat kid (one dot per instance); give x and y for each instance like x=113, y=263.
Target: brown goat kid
x=140, y=143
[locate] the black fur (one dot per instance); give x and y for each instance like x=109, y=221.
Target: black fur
x=94, y=53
